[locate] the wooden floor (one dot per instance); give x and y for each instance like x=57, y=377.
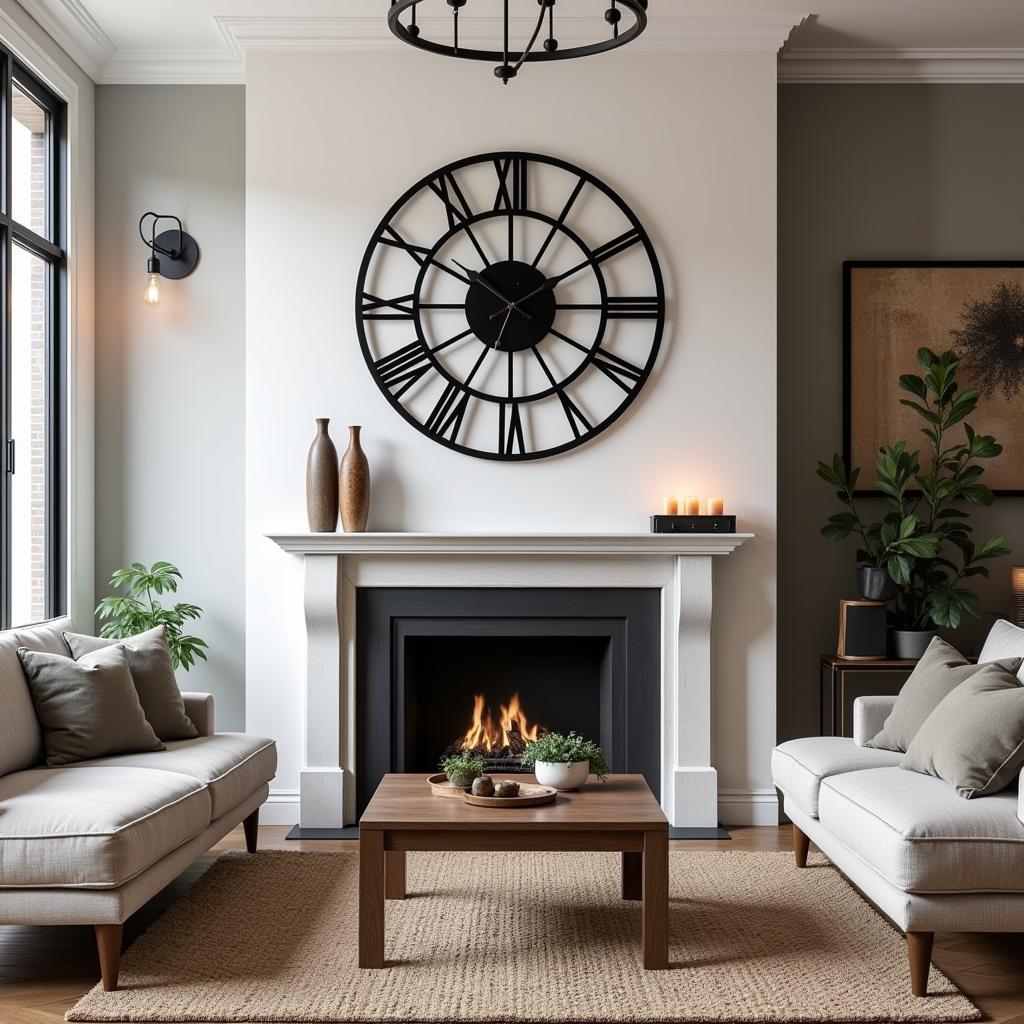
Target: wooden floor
x=43, y=971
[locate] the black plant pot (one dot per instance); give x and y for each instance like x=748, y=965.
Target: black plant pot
x=875, y=584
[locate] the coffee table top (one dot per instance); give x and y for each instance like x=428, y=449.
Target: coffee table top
x=622, y=803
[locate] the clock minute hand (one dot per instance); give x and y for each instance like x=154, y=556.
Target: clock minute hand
x=476, y=277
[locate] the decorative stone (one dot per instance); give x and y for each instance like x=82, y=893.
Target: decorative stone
x=483, y=785
x=507, y=788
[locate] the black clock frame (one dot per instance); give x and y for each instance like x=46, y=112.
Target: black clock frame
x=425, y=258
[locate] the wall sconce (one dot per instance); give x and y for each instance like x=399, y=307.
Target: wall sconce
x=1017, y=579
x=179, y=250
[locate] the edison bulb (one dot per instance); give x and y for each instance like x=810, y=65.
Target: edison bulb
x=151, y=295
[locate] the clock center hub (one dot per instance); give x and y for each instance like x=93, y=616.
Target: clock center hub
x=527, y=323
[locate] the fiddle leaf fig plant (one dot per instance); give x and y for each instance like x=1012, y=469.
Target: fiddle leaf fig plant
x=125, y=615
x=924, y=541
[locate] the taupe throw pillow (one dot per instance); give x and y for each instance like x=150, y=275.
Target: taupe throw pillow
x=87, y=708
x=153, y=674
x=974, y=739
x=942, y=669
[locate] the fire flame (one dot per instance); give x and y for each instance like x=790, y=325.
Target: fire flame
x=512, y=731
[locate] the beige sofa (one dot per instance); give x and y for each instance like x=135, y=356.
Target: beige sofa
x=928, y=859
x=90, y=843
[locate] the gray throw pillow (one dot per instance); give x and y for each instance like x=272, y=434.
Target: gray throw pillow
x=974, y=739
x=940, y=671
x=87, y=708
x=153, y=674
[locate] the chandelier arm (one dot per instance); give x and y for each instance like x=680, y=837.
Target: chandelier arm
x=533, y=39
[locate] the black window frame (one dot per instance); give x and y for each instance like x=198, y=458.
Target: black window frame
x=53, y=251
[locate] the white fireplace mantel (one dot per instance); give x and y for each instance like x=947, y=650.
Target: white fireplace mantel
x=337, y=564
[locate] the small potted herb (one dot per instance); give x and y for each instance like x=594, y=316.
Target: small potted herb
x=462, y=768
x=564, y=762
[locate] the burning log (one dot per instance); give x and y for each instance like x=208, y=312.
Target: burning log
x=501, y=743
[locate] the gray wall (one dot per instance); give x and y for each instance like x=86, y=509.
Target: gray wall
x=170, y=380
x=872, y=172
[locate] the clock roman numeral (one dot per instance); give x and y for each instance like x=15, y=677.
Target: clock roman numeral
x=512, y=195
x=457, y=208
x=560, y=221
x=616, y=245
x=510, y=430
x=574, y=415
x=417, y=252
x=619, y=370
x=446, y=418
x=400, y=370
x=634, y=307
x=402, y=307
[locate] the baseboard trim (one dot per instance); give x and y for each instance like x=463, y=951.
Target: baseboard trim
x=748, y=807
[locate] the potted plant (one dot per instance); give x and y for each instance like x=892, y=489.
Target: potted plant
x=141, y=609
x=462, y=768
x=564, y=762
x=923, y=543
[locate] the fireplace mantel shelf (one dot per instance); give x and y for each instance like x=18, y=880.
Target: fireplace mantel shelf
x=509, y=543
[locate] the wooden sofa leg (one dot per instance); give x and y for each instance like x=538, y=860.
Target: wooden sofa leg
x=801, y=845
x=251, y=826
x=108, y=945
x=919, y=948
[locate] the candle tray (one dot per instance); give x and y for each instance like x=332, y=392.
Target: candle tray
x=693, y=524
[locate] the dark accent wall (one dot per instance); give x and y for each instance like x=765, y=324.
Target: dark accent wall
x=884, y=172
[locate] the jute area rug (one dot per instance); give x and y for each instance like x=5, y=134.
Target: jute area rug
x=520, y=937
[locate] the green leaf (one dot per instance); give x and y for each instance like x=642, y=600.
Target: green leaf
x=899, y=567
x=914, y=384
x=994, y=547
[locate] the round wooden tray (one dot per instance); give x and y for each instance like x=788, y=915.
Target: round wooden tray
x=529, y=796
x=440, y=786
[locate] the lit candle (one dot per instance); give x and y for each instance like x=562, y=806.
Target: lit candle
x=670, y=506
x=692, y=505
x=716, y=506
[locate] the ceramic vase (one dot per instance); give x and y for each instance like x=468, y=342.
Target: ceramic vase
x=355, y=485
x=322, y=481
x=563, y=777
x=910, y=644
x=875, y=584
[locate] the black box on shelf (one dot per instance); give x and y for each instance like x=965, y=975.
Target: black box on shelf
x=693, y=524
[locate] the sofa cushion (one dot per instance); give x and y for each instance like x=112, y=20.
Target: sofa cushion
x=149, y=660
x=232, y=764
x=798, y=766
x=88, y=708
x=93, y=827
x=21, y=737
x=1004, y=640
x=920, y=836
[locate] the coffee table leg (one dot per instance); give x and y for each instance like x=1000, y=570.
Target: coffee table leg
x=655, y=911
x=371, y=898
x=632, y=876
x=394, y=874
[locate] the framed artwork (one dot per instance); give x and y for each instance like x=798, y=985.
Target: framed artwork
x=890, y=310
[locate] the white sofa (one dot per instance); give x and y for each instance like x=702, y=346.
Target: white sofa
x=928, y=859
x=91, y=842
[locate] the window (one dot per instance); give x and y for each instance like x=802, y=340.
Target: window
x=33, y=266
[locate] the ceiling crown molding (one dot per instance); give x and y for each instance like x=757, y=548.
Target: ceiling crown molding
x=75, y=30
x=901, y=66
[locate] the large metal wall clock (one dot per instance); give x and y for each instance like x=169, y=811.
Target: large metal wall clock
x=510, y=306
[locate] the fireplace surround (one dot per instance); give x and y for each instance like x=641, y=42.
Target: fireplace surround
x=338, y=567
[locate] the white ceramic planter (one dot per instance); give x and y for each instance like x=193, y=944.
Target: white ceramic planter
x=562, y=777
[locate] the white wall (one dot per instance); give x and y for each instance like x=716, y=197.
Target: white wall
x=689, y=141
x=169, y=386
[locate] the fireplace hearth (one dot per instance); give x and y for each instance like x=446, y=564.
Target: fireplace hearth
x=443, y=670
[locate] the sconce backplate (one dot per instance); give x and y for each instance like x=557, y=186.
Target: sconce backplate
x=188, y=256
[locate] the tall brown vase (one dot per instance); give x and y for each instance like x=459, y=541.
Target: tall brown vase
x=322, y=482
x=355, y=485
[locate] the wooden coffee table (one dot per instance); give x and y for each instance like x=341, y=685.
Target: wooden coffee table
x=620, y=815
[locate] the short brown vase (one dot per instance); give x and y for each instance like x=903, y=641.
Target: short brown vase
x=355, y=485
x=322, y=481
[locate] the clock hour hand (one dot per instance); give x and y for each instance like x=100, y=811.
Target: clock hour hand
x=475, y=277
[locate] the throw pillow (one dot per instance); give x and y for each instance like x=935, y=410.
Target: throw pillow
x=153, y=674
x=87, y=708
x=937, y=674
x=974, y=739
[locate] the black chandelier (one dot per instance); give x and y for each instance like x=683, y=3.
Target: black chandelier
x=511, y=60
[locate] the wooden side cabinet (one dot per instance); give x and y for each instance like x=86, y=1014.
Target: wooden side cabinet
x=843, y=681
